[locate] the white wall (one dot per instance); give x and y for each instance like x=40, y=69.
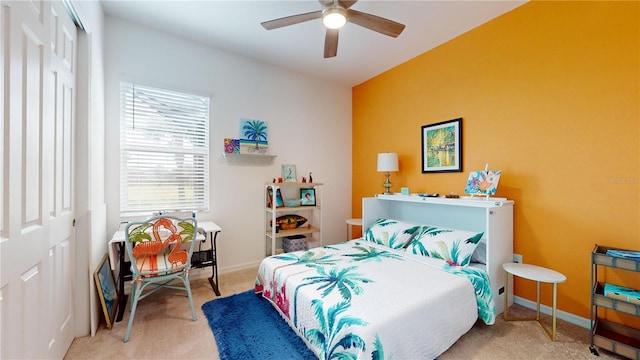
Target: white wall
x=89, y=193
x=309, y=124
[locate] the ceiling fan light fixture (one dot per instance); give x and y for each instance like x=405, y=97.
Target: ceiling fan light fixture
x=334, y=17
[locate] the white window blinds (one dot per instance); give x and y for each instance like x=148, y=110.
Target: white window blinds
x=164, y=150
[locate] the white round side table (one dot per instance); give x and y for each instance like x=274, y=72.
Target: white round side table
x=537, y=274
x=350, y=224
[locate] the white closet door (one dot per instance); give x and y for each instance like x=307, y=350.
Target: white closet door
x=38, y=42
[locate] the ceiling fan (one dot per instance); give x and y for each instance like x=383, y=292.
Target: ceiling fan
x=334, y=14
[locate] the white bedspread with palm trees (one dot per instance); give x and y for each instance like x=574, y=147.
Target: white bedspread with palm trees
x=360, y=300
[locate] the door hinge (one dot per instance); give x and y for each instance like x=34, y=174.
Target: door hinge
x=74, y=223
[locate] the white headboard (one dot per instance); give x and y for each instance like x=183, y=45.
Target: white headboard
x=494, y=217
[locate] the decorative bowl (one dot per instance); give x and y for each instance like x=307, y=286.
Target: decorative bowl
x=292, y=202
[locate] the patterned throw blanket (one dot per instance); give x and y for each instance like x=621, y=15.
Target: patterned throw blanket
x=361, y=300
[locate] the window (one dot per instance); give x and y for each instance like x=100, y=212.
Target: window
x=164, y=150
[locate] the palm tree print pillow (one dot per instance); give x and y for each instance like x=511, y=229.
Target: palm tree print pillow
x=392, y=233
x=454, y=246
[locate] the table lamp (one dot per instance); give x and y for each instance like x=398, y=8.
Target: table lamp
x=387, y=162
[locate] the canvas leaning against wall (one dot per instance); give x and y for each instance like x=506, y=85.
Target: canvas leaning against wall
x=106, y=286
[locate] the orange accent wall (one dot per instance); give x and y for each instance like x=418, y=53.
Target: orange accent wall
x=549, y=93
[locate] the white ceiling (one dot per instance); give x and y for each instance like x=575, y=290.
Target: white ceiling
x=234, y=26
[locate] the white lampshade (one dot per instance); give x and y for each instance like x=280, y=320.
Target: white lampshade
x=334, y=17
x=388, y=162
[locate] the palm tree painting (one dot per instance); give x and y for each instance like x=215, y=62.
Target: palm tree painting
x=253, y=136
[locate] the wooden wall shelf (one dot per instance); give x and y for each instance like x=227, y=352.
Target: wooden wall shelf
x=248, y=158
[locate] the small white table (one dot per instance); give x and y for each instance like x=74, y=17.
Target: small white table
x=350, y=224
x=537, y=274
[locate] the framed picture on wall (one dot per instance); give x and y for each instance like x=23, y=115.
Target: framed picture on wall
x=106, y=286
x=442, y=147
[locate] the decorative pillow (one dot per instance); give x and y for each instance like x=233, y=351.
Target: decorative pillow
x=392, y=233
x=453, y=246
x=288, y=222
x=480, y=254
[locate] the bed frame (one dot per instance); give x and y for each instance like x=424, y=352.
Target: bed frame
x=493, y=216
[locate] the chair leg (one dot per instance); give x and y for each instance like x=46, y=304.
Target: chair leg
x=133, y=288
x=135, y=294
x=187, y=286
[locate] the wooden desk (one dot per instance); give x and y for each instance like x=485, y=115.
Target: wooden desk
x=207, y=230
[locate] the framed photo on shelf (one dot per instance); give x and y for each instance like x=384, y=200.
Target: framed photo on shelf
x=289, y=173
x=442, y=147
x=279, y=201
x=308, y=197
x=106, y=286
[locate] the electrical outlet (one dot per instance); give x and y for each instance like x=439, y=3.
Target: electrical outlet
x=517, y=258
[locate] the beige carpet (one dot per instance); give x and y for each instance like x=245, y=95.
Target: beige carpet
x=163, y=330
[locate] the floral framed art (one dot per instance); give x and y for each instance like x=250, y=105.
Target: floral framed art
x=442, y=147
x=483, y=183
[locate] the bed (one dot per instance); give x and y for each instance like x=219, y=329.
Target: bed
x=407, y=289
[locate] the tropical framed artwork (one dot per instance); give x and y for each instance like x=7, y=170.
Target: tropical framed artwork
x=308, y=197
x=442, y=147
x=289, y=173
x=106, y=286
x=254, y=138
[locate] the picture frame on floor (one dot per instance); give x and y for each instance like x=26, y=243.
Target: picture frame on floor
x=106, y=287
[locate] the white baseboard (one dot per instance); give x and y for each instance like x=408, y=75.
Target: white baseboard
x=566, y=316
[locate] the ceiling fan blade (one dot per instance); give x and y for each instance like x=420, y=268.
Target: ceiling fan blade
x=375, y=23
x=331, y=43
x=291, y=20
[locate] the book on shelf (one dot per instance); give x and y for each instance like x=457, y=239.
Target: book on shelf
x=622, y=293
x=626, y=254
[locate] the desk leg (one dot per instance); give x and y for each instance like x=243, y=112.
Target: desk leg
x=553, y=331
x=538, y=300
x=214, y=266
x=122, y=297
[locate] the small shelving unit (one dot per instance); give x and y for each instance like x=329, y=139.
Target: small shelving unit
x=312, y=229
x=605, y=334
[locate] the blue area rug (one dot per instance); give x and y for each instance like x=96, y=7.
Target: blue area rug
x=246, y=326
